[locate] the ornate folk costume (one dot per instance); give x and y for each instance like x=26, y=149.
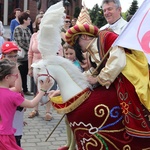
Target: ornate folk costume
x=116, y=117
x=101, y=119
x=120, y=118
x=132, y=89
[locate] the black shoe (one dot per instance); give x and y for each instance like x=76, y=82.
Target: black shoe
x=28, y=93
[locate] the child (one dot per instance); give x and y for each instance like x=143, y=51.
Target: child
x=10, y=100
x=70, y=54
x=10, y=52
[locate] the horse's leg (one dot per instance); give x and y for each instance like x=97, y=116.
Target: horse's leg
x=70, y=137
x=72, y=140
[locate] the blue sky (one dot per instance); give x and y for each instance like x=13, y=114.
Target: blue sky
x=124, y=3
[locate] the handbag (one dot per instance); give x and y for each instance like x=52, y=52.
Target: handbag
x=21, y=53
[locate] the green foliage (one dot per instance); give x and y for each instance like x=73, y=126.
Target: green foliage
x=124, y=15
x=97, y=16
x=76, y=12
x=131, y=11
x=93, y=13
x=133, y=8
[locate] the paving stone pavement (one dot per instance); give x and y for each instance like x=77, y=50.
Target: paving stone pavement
x=37, y=131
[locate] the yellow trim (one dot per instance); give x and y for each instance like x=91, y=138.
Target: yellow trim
x=75, y=104
x=92, y=29
x=73, y=30
x=57, y=99
x=82, y=28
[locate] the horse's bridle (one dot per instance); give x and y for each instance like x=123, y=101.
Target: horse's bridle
x=48, y=74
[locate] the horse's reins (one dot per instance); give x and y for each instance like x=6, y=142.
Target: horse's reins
x=48, y=74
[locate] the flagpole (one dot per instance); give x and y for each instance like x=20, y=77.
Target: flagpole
x=55, y=128
x=98, y=66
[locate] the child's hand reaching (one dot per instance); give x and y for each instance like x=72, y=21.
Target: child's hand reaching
x=53, y=93
x=45, y=99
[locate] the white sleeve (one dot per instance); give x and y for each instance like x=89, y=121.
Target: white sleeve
x=114, y=65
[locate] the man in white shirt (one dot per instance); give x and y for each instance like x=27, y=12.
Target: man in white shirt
x=112, y=13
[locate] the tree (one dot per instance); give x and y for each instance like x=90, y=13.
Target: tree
x=133, y=8
x=93, y=13
x=100, y=19
x=76, y=12
x=97, y=16
x=124, y=15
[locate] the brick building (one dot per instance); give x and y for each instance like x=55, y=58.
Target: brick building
x=7, y=7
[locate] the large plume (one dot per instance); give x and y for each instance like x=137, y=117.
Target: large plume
x=49, y=38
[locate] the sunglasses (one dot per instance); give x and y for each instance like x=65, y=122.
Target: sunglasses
x=67, y=21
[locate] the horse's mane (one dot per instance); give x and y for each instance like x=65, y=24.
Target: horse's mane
x=73, y=71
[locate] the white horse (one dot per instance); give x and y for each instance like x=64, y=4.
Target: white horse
x=95, y=117
x=61, y=68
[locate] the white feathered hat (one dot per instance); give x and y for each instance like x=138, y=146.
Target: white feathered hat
x=49, y=38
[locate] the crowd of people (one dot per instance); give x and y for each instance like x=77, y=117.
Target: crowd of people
x=81, y=48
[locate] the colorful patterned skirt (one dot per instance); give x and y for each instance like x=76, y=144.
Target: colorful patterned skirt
x=99, y=124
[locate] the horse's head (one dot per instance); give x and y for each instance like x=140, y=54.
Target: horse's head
x=41, y=72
